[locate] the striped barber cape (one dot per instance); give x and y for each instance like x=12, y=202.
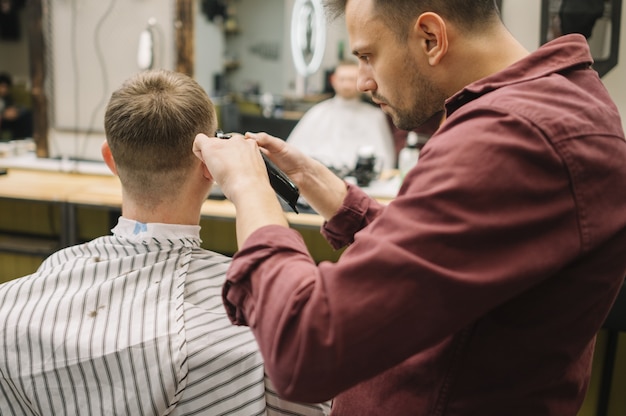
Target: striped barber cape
x=131, y=324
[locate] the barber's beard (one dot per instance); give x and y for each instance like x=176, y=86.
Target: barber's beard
x=421, y=103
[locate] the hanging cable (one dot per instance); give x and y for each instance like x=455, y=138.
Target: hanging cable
x=105, y=77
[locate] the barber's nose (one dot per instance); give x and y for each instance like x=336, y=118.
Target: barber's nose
x=365, y=84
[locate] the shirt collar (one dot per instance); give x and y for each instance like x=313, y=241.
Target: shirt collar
x=563, y=53
x=138, y=232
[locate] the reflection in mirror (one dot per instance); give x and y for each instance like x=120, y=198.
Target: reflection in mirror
x=55, y=72
x=598, y=20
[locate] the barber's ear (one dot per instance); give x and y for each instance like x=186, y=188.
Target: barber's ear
x=431, y=30
x=108, y=157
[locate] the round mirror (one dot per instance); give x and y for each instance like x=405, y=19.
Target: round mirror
x=308, y=36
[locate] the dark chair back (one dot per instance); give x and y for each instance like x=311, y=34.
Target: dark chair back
x=614, y=324
x=617, y=317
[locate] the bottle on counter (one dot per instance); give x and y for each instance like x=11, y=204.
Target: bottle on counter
x=409, y=155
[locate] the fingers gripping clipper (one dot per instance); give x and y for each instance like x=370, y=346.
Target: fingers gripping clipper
x=280, y=182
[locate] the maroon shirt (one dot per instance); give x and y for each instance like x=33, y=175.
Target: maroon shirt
x=479, y=290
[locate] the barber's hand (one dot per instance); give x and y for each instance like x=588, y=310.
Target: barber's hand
x=289, y=159
x=320, y=187
x=235, y=164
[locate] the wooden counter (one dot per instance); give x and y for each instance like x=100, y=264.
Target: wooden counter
x=105, y=191
x=46, y=186
x=51, y=205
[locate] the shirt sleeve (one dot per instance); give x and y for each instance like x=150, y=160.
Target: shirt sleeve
x=356, y=212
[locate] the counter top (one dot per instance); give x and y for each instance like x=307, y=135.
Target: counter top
x=91, y=183
x=103, y=190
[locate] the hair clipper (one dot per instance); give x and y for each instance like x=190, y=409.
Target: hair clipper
x=280, y=182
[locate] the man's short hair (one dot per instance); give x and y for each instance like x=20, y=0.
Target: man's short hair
x=150, y=123
x=468, y=14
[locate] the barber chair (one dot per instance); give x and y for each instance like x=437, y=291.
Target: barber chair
x=614, y=324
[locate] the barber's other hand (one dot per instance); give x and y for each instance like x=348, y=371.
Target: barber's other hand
x=320, y=187
x=235, y=164
x=289, y=159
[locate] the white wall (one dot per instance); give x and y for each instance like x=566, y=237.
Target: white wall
x=93, y=49
x=263, y=23
x=523, y=19
x=208, y=50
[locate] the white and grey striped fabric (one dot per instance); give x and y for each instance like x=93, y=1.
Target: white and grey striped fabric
x=131, y=324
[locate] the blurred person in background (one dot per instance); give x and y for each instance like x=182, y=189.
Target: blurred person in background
x=16, y=121
x=334, y=130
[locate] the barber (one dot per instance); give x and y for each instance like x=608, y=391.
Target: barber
x=480, y=289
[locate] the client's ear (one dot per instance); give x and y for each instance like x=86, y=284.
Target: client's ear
x=108, y=157
x=205, y=172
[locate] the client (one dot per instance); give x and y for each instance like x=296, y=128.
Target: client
x=133, y=323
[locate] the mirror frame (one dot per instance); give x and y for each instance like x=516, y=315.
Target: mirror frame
x=36, y=55
x=602, y=66
x=184, y=30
